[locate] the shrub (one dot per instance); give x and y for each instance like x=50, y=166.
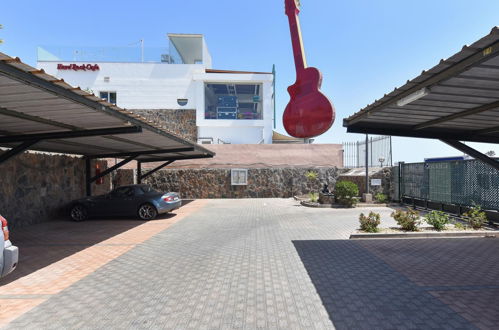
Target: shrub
x=311, y=175
x=381, y=198
x=476, y=217
x=345, y=192
x=408, y=220
x=370, y=223
x=437, y=219
x=314, y=197
x=459, y=226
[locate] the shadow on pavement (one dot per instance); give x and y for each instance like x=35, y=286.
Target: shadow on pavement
x=46, y=243
x=361, y=291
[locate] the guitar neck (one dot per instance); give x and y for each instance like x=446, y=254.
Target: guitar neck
x=296, y=39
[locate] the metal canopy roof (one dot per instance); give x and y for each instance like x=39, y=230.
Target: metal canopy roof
x=56, y=117
x=458, y=99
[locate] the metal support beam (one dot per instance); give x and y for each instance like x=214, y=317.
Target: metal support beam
x=367, y=163
x=71, y=134
x=144, y=152
x=16, y=150
x=489, y=130
x=154, y=170
x=394, y=130
x=461, y=114
x=88, y=173
x=139, y=172
x=112, y=168
x=473, y=153
x=164, y=159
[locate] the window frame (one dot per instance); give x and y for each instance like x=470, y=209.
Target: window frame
x=235, y=176
x=108, y=98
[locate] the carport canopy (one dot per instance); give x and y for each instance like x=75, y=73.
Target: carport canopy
x=41, y=112
x=457, y=100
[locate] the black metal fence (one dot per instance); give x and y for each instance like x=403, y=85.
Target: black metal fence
x=462, y=183
x=379, y=152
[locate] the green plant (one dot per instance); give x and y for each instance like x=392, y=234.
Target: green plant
x=346, y=193
x=408, y=220
x=437, y=219
x=370, y=223
x=381, y=198
x=476, y=217
x=311, y=175
x=459, y=226
x=314, y=197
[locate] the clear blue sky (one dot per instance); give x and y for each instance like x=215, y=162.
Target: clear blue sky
x=363, y=48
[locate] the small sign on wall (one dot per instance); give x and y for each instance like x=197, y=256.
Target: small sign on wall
x=239, y=177
x=375, y=182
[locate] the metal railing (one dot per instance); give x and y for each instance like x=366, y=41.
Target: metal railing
x=379, y=152
x=132, y=54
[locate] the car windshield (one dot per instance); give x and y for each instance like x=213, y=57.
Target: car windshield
x=147, y=189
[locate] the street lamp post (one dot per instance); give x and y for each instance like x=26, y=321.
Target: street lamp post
x=381, y=160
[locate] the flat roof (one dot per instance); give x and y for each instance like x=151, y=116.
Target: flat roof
x=457, y=99
x=61, y=118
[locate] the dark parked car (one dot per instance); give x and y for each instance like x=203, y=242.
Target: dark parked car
x=137, y=199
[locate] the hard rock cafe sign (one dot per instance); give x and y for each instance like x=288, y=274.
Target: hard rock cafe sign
x=78, y=67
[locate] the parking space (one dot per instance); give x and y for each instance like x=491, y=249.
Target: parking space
x=54, y=255
x=259, y=263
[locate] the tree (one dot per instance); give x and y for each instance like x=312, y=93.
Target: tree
x=1, y=40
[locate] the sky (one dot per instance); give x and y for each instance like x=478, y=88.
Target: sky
x=363, y=48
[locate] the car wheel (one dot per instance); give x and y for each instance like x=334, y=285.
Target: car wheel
x=78, y=213
x=147, y=212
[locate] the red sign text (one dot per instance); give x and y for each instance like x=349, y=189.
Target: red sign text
x=78, y=67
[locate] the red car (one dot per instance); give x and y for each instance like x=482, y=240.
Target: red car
x=10, y=253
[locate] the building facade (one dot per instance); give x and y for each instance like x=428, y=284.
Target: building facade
x=176, y=88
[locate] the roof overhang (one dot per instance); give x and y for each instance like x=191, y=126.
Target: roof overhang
x=41, y=112
x=458, y=99
x=189, y=46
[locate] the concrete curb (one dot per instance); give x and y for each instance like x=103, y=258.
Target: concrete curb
x=339, y=206
x=425, y=235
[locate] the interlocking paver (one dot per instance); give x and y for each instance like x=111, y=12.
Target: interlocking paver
x=254, y=264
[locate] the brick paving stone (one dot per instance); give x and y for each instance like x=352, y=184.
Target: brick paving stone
x=252, y=264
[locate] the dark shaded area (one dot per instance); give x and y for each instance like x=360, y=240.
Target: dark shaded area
x=45, y=243
x=360, y=291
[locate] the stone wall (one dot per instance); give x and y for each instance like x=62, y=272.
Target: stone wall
x=179, y=122
x=262, y=182
x=384, y=174
x=37, y=187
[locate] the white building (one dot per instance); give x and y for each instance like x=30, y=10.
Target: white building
x=230, y=106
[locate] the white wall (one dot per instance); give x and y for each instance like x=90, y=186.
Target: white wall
x=137, y=85
x=159, y=85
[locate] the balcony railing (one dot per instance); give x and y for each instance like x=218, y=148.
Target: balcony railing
x=134, y=54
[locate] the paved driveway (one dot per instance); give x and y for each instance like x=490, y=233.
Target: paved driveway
x=269, y=263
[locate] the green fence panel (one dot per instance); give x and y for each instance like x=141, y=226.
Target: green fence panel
x=464, y=182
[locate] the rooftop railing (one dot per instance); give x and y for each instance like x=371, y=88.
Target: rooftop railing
x=133, y=54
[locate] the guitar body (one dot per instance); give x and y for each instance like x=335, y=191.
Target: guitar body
x=309, y=113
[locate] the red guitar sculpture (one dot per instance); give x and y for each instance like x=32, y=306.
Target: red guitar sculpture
x=309, y=112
